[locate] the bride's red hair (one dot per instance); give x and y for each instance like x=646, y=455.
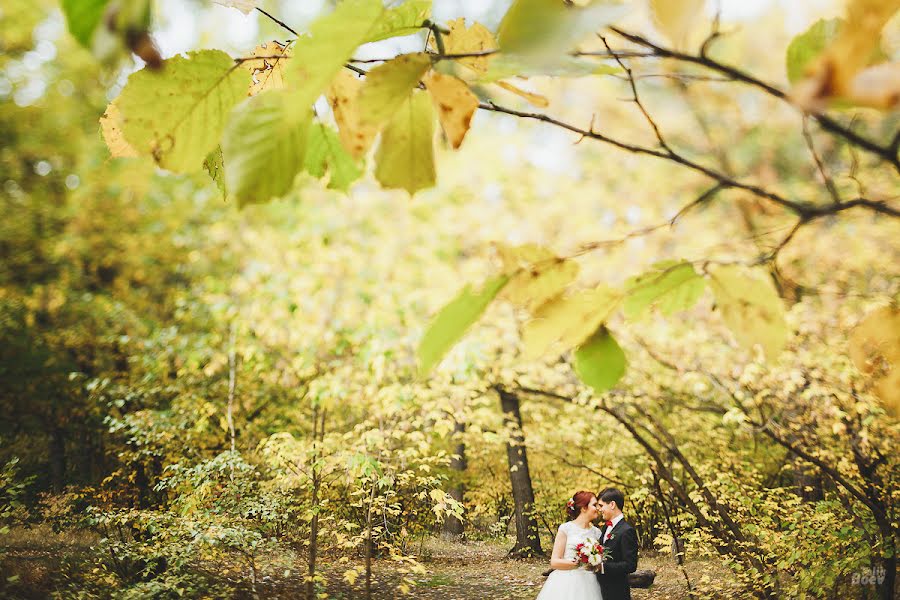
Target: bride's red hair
x=578, y=502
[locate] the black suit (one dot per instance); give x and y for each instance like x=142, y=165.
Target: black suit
x=623, y=560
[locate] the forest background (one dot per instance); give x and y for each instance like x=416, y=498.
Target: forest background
x=258, y=373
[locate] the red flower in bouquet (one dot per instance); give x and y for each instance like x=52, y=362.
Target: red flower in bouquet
x=589, y=552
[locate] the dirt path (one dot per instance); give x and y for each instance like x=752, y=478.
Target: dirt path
x=478, y=570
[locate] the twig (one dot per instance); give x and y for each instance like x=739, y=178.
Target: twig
x=714, y=33
x=454, y=56
x=675, y=76
x=717, y=150
x=829, y=183
x=281, y=23
x=438, y=34
x=636, y=99
x=620, y=54
x=771, y=256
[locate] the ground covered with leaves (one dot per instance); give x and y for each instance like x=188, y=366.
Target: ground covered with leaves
x=481, y=570
x=41, y=564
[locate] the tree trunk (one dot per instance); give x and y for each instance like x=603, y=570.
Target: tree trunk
x=232, y=383
x=369, y=548
x=458, y=465
x=808, y=482
x=528, y=542
x=318, y=437
x=886, y=586
x=142, y=485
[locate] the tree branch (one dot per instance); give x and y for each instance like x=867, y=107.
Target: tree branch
x=766, y=428
x=281, y=23
x=636, y=99
x=803, y=209
x=887, y=153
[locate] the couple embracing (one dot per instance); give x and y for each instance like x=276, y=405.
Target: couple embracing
x=591, y=563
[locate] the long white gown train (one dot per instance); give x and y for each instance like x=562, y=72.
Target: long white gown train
x=574, y=584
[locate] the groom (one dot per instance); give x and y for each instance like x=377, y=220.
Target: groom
x=621, y=538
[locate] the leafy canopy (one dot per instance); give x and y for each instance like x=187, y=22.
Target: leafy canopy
x=191, y=112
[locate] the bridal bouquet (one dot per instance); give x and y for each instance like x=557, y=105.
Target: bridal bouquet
x=591, y=552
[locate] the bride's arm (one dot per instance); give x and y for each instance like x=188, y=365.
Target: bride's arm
x=559, y=549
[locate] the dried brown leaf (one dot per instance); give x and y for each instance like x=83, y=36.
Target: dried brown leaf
x=343, y=96
x=467, y=40
x=455, y=104
x=267, y=71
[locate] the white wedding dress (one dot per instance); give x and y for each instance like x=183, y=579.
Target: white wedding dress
x=573, y=584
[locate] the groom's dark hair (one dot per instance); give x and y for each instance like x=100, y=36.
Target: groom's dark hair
x=611, y=494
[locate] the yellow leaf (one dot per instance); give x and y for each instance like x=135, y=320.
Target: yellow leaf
x=455, y=104
x=750, y=307
x=537, y=275
x=111, y=128
x=536, y=99
x=405, y=156
x=387, y=87
x=676, y=18
x=267, y=71
x=463, y=40
x=343, y=96
x=568, y=320
x=350, y=576
x=875, y=350
x=832, y=75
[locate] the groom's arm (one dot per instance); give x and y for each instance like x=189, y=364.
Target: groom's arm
x=629, y=561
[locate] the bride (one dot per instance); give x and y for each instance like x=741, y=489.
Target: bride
x=569, y=581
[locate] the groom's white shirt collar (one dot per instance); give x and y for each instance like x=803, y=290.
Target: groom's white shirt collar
x=615, y=520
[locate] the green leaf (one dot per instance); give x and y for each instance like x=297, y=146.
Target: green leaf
x=537, y=274
x=176, y=114
x=215, y=166
x=750, y=307
x=405, y=19
x=263, y=148
x=545, y=29
x=324, y=153
x=600, y=362
x=537, y=36
x=568, y=320
x=405, y=156
x=331, y=41
x=388, y=86
x=454, y=319
x=808, y=45
x=671, y=285
x=83, y=16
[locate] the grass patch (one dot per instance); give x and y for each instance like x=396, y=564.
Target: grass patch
x=436, y=581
